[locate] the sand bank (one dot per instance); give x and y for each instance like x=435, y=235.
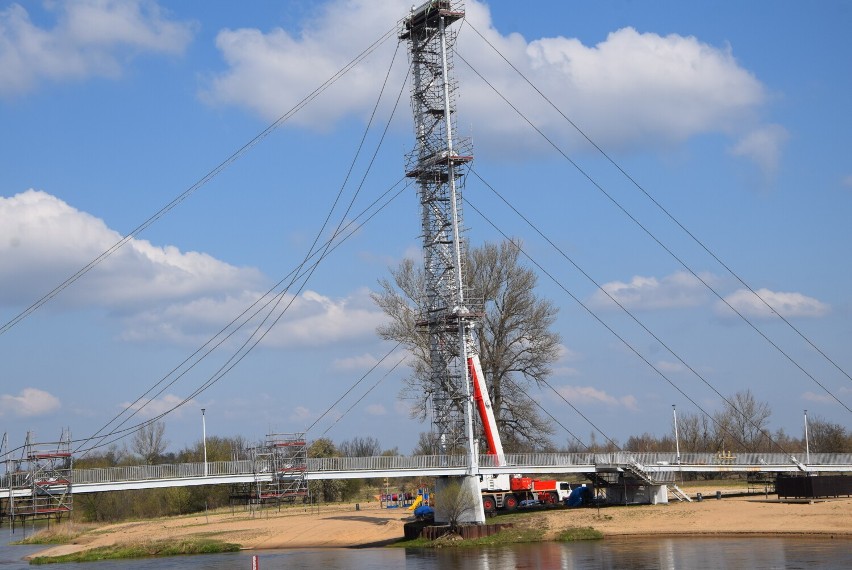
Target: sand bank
x=343, y=526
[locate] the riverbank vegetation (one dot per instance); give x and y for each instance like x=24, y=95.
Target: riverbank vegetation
x=175, y=547
x=58, y=534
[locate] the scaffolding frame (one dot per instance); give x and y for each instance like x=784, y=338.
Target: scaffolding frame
x=280, y=467
x=287, y=457
x=447, y=313
x=40, y=482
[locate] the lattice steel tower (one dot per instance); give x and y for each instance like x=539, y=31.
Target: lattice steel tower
x=447, y=313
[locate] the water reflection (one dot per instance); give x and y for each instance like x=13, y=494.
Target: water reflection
x=632, y=553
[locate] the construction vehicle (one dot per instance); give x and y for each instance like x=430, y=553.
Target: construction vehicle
x=512, y=491
x=507, y=491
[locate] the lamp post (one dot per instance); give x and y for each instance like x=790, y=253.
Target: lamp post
x=204, y=439
x=677, y=443
x=807, y=444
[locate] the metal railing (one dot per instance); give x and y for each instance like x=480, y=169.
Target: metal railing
x=157, y=472
x=386, y=463
x=650, y=462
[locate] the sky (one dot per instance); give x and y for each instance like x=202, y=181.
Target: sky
x=727, y=133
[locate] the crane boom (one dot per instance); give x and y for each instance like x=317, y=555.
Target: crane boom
x=485, y=409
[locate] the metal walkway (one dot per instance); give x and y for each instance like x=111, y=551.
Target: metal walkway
x=660, y=468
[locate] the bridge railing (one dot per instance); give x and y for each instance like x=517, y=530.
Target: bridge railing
x=436, y=462
x=539, y=459
x=156, y=472
x=386, y=463
x=668, y=458
x=724, y=458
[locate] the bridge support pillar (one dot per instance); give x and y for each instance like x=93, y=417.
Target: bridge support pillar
x=458, y=499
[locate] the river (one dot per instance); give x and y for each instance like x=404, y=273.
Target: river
x=664, y=553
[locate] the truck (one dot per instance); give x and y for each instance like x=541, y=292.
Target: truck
x=506, y=491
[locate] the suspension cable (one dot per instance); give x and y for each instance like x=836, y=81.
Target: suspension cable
x=204, y=180
x=352, y=228
x=237, y=356
x=656, y=203
x=655, y=239
x=623, y=341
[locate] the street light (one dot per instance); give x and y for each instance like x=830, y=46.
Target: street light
x=204, y=439
x=677, y=443
x=807, y=444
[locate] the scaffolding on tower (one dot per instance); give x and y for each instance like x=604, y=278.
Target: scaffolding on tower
x=447, y=313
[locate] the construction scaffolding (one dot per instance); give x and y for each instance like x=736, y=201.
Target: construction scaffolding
x=279, y=466
x=39, y=482
x=447, y=312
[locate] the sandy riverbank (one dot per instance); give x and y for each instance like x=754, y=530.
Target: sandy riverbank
x=342, y=526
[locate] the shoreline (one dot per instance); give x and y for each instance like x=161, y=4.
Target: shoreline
x=341, y=526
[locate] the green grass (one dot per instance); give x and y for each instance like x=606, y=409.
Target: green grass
x=142, y=550
x=515, y=535
x=579, y=533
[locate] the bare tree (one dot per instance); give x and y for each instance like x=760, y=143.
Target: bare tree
x=828, y=437
x=516, y=345
x=742, y=424
x=696, y=433
x=360, y=447
x=649, y=443
x=149, y=441
x=428, y=443
x=454, y=500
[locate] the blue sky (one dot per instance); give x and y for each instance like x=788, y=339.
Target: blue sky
x=733, y=117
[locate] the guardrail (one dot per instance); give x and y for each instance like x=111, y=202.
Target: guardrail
x=168, y=471
x=402, y=464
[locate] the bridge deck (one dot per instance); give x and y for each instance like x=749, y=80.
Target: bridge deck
x=660, y=467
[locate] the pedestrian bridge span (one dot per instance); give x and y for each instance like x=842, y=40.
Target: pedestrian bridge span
x=649, y=467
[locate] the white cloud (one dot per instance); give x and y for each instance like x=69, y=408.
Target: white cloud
x=90, y=38
x=28, y=403
x=366, y=361
x=360, y=362
x=677, y=290
x=316, y=319
x=562, y=366
x=592, y=395
x=158, y=293
x=159, y=406
x=786, y=304
x=282, y=68
x=302, y=414
x=403, y=408
x=376, y=410
x=630, y=90
x=565, y=354
x=818, y=398
x=43, y=240
x=311, y=320
x=668, y=366
x=763, y=146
